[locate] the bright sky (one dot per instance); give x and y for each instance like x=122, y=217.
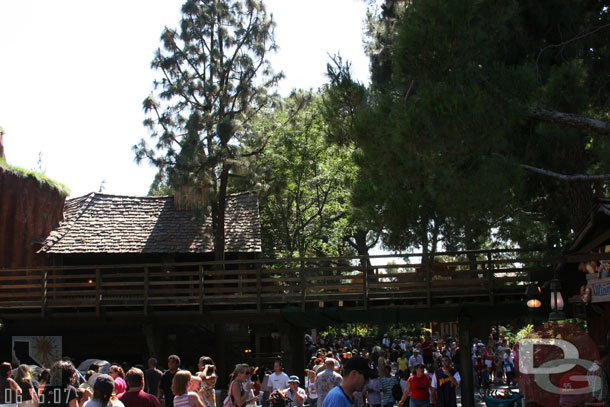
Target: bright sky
x=73, y=75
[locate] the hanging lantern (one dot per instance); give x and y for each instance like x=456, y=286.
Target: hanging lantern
x=533, y=294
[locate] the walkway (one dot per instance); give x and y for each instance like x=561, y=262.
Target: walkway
x=263, y=285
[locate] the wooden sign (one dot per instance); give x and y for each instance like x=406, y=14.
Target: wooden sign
x=600, y=288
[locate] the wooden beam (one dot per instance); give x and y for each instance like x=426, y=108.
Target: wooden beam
x=490, y=277
x=303, y=286
x=259, y=302
x=467, y=383
x=595, y=243
x=365, y=282
x=98, y=291
x=578, y=258
x=201, y=289
x=146, y=290
x=44, y=288
x=428, y=284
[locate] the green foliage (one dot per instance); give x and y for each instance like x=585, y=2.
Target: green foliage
x=513, y=336
x=358, y=329
x=350, y=330
x=42, y=179
x=160, y=185
x=305, y=181
x=215, y=78
x=404, y=330
x=442, y=131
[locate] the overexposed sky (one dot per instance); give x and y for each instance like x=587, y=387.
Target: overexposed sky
x=73, y=74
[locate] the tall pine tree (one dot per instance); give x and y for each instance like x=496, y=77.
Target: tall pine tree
x=215, y=78
x=482, y=117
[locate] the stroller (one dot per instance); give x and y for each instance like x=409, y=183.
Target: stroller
x=279, y=399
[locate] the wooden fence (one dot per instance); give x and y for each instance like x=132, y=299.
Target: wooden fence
x=264, y=284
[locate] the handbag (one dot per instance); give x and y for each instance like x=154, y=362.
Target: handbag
x=228, y=401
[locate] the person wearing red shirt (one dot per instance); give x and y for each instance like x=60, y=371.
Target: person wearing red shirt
x=427, y=350
x=135, y=397
x=418, y=386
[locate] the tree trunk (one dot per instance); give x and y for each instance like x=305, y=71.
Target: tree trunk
x=424, y=244
x=580, y=192
x=580, y=200
x=362, y=248
x=218, y=217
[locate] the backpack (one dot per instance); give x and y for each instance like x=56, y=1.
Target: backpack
x=397, y=392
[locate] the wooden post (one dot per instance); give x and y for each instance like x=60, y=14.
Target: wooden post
x=146, y=290
x=293, y=348
x=365, y=283
x=490, y=277
x=98, y=291
x=426, y=264
x=259, y=301
x=220, y=356
x=201, y=288
x=43, y=294
x=466, y=369
x=303, y=285
x=152, y=336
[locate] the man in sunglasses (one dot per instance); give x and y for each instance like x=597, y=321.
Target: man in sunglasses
x=356, y=373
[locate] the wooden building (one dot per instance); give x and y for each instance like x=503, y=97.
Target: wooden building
x=112, y=229
x=112, y=232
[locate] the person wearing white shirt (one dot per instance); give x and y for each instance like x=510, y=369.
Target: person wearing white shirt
x=278, y=380
x=415, y=359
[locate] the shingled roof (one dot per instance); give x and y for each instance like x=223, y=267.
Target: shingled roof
x=101, y=223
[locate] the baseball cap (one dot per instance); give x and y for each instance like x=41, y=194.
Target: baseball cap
x=102, y=382
x=294, y=379
x=360, y=365
x=416, y=350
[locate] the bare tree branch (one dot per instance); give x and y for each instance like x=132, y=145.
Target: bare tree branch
x=570, y=120
x=576, y=38
x=564, y=177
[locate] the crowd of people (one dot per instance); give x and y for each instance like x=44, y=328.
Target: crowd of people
x=341, y=372
x=408, y=371
x=63, y=386
x=426, y=356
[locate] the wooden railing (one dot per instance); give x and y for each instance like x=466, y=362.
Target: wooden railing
x=264, y=284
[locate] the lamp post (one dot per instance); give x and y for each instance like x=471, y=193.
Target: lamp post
x=557, y=313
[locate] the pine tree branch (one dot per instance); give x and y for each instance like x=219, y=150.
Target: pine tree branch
x=564, y=177
x=576, y=38
x=570, y=120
